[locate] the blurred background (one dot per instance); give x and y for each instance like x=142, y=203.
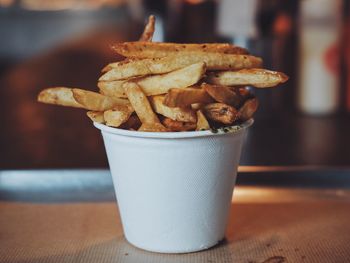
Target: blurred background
x=305, y=122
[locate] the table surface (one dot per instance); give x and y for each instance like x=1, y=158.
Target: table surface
x=276, y=222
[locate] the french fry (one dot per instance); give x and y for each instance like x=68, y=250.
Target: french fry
x=177, y=126
x=96, y=116
x=140, y=104
x=221, y=112
x=152, y=127
x=223, y=94
x=148, y=32
x=158, y=84
x=133, y=123
x=248, y=109
x=112, y=88
x=118, y=115
x=260, y=78
x=214, y=61
x=186, y=97
x=95, y=101
x=117, y=64
x=59, y=96
x=202, y=123
x=158, y=50
x=177, y=114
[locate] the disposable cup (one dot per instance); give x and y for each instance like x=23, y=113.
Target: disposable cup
x=173, y=190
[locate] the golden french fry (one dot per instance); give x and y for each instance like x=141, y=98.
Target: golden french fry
x=223, y=94
x=260, y=78
x=220, y=112
x=177, y=114
x=157, y=84
x=95, y=101
x=177, y=126
x=133, y=123
x=152, y=127
x=248, y=109
x=118, y=64
x=213, y=61
x=148, y=32
x=202, y=123
x=140, y=103
x=96, y=116
x=186, y=97
x=118, y=115
x=157, y=50
x=112, y=88
x=59, y=96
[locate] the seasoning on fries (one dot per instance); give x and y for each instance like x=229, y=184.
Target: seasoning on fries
x=168, y=87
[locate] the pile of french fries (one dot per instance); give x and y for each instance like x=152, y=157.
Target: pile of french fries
x=162, y=87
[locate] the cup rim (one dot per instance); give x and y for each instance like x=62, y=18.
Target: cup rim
x=173, y=135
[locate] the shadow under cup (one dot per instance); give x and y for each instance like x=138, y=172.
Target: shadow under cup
x=173, y=189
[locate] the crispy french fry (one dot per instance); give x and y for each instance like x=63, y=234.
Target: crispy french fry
x=112, y=88
x=96, y=116
x=59, y=96
x=156, y=49
x=202, y=123
x=214, y=61
x=260, y=78
x=248, y=109
x=186, y=97
x=118, y=115
x=95, y=101
x=220, y=112
x=118, y=64
x=158, y=84
x=140, y=103
x=177, y=114
x=152, y=127
x=181, y=78
x=223, y=94
x=148, y=32
x=177, y=126
x=133, y=123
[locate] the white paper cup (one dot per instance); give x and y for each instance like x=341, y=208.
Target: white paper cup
x=173, y=190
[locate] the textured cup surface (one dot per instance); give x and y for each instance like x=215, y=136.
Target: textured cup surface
x=173, y=190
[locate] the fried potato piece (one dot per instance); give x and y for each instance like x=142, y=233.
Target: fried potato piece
x=148, y=32
x=177, y=114
x=186, y=97
x=112, y=88
x=158, y=50
x=118, y=115
x=133, y=123
x=96, y=116
x=223, y=94
x=248, y=109
x=140, y=103
x=59, y=96
x=220, y=112
x=158, y=84
x=214, y=61
x=260, y=78
x=117, y=64
x=95, y=101
x=202, y=123
x=177, y=126
x=152, y=127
